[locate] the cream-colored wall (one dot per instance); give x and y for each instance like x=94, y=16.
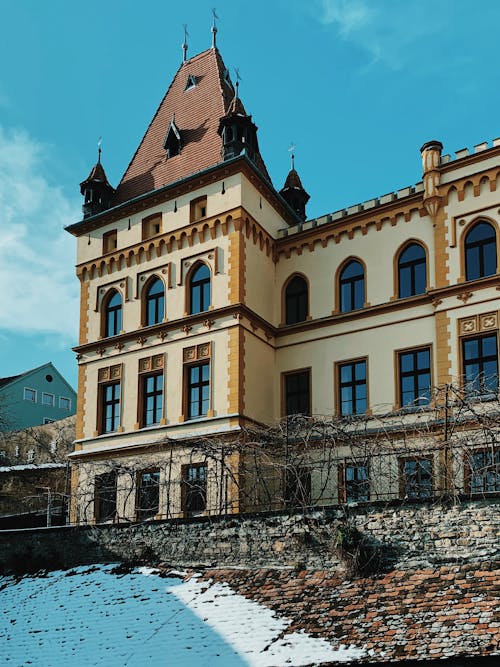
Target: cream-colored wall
x=217, y=204
x=260, y=281
x=259, y=378
x=259, y=208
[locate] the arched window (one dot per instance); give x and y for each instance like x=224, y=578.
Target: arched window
x=296, y=300
x=113, y=314
x=352, y=287
x=480, y=251
x=155, y=303
x=199, y=290
x=412, y=274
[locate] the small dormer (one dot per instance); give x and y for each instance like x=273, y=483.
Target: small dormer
x=172, y=143
x=238, y=132
x=191, y=82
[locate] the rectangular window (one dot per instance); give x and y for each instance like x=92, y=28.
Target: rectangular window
x=483, y=472
x=105, y=496
x=354, y=483
x=416, y=478
x=152, y=399
x=198, y=390
x=297, y=387
x=48, y=399
x=64, y=403
x=480, y=365
x=414, y=377
x=148, y=494
x=110, y=406
x=29, y=395
x=194, y=479
x=46, y=420
x=109, y=241
x=352, y=387
x=198, y=209
x=297, y=486
x=151, y=226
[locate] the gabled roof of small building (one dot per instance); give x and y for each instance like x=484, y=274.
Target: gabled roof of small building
x=197, y=110
x=4, y=382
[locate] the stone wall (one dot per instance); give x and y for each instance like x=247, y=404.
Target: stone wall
x=401, y=536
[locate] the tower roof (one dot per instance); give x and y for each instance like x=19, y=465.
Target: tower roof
x=197, y=109
x=97, y=174
x=293, y=180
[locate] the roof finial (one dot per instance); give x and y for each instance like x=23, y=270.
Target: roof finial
x=184, y=45
x=291, y=150
x=214, y=28
x=99, y=144
x=238, y=79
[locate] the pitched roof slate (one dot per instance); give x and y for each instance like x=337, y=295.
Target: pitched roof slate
x=197, y=111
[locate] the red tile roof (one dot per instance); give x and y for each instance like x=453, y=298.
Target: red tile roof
x=197, y=113
x=421, y=614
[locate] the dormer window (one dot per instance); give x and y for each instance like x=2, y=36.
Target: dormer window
x=172, y=142
x=198, y=209
x=109, y=241
x=151, y=226
x=191, y=82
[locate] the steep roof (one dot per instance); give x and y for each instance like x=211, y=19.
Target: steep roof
x=197, y=110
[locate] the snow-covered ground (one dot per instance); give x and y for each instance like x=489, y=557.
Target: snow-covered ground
x=108, y=617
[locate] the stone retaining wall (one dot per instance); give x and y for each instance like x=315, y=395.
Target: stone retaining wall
x=401, y=536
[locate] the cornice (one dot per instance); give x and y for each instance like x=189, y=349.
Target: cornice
x=469, y=159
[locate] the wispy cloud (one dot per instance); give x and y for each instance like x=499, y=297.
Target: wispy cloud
x=38, y=289
x=393, y=33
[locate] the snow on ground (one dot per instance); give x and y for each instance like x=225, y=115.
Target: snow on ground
x=108, y=617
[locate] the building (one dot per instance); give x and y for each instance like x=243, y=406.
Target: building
x=38, y=396
x=211, y=305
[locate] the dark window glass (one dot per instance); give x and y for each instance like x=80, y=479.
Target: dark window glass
x=110, y=407
x=480, y=251
x=297, y=486
x=352, y=287
x=195, y=489
x=356, y=483
x=416, y=478
x=297, y=395
x=415, y=377
x=155, y=303
x=148, y=494
x=296, y=300
x=200, y=290
x=152, y=397
x=105, y=496
x=484, y=472
x=411, y=271
x=352, y=388
x=113, y=315
x=198, y=390
x=480, y=365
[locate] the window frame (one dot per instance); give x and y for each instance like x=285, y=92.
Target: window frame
x=411, y=264
x=114, y=310
x=403, y=477
x=479, y=244
x=52, y=403
x=35, y=395
x=199, y=284
x=158, y=398
x=146, y=299
x=100, y=499
x=399, y=376
x=152, y=225
x=345, y=485
x=145, y=513
x=297, y=486
x=185, y=492
x=198, y=208
x=188, y=387
x=286, y=298
x=103, y=404
x=109, y=241
x=338, y=384
x=351, y=281
x=64, y=398
x=469, y=472
x=284, y=393
x=478, y=336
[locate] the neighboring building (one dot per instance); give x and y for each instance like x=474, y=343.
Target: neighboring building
x=210, y=305
x=35, y=397
x=34, y=474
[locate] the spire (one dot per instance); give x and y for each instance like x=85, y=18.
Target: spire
x=96, y=188
x=293, y=192
x=214, y=29
x=184, y=44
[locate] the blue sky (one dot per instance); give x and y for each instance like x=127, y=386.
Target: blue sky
x=357, y=85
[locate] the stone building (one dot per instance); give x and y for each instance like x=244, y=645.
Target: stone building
x=211, y=305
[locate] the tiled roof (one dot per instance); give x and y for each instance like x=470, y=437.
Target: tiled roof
x=402, y=615
x=293, y=180
x=197, y=111
x=97, y=173
x=5, y=381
